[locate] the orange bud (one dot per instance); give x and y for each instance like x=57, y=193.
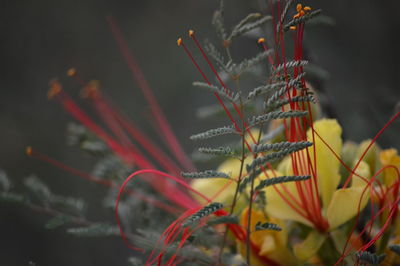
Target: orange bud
x=28, y=150
x=261, y=40
x=179, y=42
x=307, y=8
x=55, y=88
x=292, y=28
x=71, y=72
x=91, y=90
x=191, y=32
x=299, y=7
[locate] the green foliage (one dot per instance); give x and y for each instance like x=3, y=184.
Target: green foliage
x=5, y=183
x=395, y=249
x=230, y=219
x=273, y=157
x=279, y=180
x=256, y=120
x=12, y=197
x=58, y=221
x=267, y=226
x=249, y=23
x=204, y=212
x=220, y=151
x=370, y=258
x=214, y=133
x=302, y=19
x=95, y=230
x=221, y=91
x=281, y=146
x=206, y=174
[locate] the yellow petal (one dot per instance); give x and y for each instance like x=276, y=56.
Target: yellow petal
x=390, y=157
x=371, y=157
x=327, y=164
x=310, y=246
x=348, y=154
x=345, y=204
x=362, y=170
x=278, y=207
x=211, y=186
x=271, y=244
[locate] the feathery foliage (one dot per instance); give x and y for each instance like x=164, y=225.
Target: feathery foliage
x=281, y=146
x=221, y=91
x=370, y=258
x=302, y=19
x=95, y=230
x=204, y=212
x=220, y=151
x=256, y=120
x=206, y=174
x=214, y=132
x=279, y=180
x=267, y=226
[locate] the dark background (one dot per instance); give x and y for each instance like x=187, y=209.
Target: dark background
x=41, y=39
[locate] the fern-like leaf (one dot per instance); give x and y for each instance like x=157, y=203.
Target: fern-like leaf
x=12, y=197
x=220, y=151
x=267, y=226
x=280, y=179
x=282, y=102
x=95, y=230
x=248, y=63
x=271, y=157
x=39, y=189
x=395, y=249
x=281, y=145
x=278, y=94
x=238, y=31
x=213, y=133
x=302, y=19
x=58, y=221
x=205, y=174
x=370, y=258
x=5, y=183
x=289, y=65
x=218, y=21
x=229, y=219
x=264, y=89
x=275, y=115
x=204, y=212
x=221, y=91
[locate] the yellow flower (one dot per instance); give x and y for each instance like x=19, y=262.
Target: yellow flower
x=330, y=207
x=270, y=244
x=390, y=157
x=223, y=190
x=210, y=187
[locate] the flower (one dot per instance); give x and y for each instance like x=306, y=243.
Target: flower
x=338, y=205
x=271, y=244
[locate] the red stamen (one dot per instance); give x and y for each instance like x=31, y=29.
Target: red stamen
x=166, y=131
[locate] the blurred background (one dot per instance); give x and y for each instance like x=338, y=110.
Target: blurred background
x=42, y=39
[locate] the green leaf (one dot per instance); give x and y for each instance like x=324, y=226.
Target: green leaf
x=267, y=226
x=229, y=219
x=281, y=179
x=58, y=221
x=214, y=132
x=11, y=197
x=204, y=212
x=96, y=230
x=5, y=183
x=206, y=174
